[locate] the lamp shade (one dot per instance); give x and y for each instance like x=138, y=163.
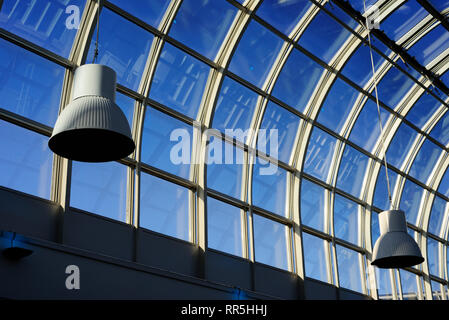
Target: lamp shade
x=395, y=248
x=92, y=128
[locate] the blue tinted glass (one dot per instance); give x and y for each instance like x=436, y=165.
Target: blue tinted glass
x=255, y=54
x=425, y=161
x=281, y=127
x=22, y=90
x=339, y=102
x=383, y=281
x=403, y=19
x=224, y=227
x=411, y=200
x=360, y=6
x=409, y=285
x=324, y=37
x=437, y=216
x=352, y=171
x=432, y=256
x=315, y=257
x=269, y=187
x=441, y=130
x=270, y=242
x=179, y=81
x=150, y=11
x=381, y=192
x=343, y=16
x=348, y=269
x=312, y=205
x=51, y=24
x=393, y=87
x=117, y=49
x=234, y=109
x=127, y=106
x=164, y=207
x=25, y=161
x=400, y=145
x=224, y=167
x=431, y=45
x=358, y=68
x=297, y=80
x=99, y=188
x=283, y=15
x=366, y=130
x=346, y=219
x=444, y=184
x=440, y=5
x=375, y=229
x=320, y=152
x=208, y=21
x=166, y=143
x=422, y=110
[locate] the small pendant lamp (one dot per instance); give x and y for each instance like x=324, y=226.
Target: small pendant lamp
x=92, y=128
x=395, y=248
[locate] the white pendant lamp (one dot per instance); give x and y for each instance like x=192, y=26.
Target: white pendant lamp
x=92, y=128
x=395, y=248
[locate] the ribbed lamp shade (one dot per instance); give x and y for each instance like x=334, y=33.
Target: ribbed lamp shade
x=395, y=248
x=92, y=128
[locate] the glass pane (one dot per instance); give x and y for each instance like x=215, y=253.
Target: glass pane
x=164, y=207
x=375, y=229
x=320, y=152
x=366, y=129
x=337, y=106
x=224, y=167
x=22, y=90
x=312, y=205
x=26, y=161
x=126, y=55
x=403, y=19
x=315, y=251
x=444, y=184
x=255, y=54
x=127, y=105
x=411, y=200
x=440, y=5
x=324, y=37
x=51, y=24
x=441, y=130
x=99, y=188
x=277, y=132
x=384, y=290
x=166, y=143
x=393, y=87
x=400, y=145
x=359, y=68
x=437, y=294
x=269, y=187
x=409, y=285
x=352, y=171
x=179, y=81
x=381, y=199
x=270, y=242
x=283, y=15
x=346, y=219
x=224, y=227
x=437, y=216
x=348, y=269
x=234, y=109
x=208, y=21
x=425, y=161
x=150, y=11
x=431, y=45
x=422, y=110
x=297, y=81
x=361, y=5
x=432, y=256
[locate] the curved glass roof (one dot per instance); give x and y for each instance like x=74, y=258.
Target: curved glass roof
x=209, y=87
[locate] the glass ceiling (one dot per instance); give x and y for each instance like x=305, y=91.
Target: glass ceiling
x=296, y=72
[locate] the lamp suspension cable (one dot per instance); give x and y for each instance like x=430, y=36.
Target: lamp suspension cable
x=98, y=32
x=382, y=138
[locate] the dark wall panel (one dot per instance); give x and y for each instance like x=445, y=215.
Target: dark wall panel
x=277, y=283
